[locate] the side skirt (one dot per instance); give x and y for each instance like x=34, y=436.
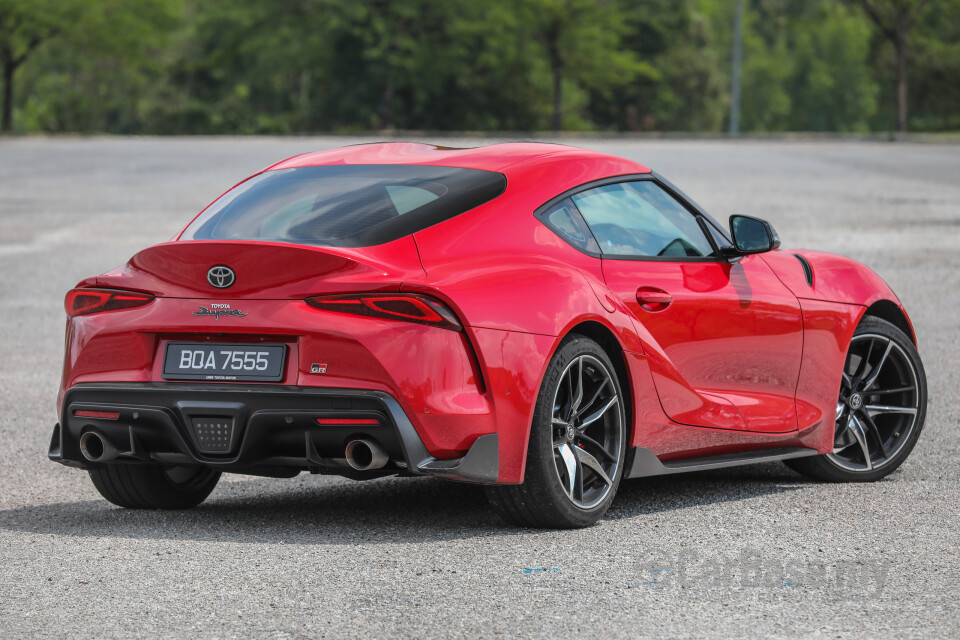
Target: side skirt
x=641, y=462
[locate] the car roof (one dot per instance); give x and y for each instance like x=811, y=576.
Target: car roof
x=495, y=157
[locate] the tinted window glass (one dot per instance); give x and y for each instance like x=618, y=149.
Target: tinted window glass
x=344, y=205
x=566, y=222
x=719, y=237
x=406, y=198
x=641, y=219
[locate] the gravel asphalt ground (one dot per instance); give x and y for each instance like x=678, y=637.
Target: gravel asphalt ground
x=749, y=552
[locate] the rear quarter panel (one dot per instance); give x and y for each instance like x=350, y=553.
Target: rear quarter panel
x=519, y=289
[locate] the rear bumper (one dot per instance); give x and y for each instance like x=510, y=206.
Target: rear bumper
x=259, y=430
x=432, y=372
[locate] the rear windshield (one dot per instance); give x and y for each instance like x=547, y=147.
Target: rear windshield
x=344, y=205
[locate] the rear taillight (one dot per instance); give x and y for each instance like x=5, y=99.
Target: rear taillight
x=407, y=307
x=83, y=301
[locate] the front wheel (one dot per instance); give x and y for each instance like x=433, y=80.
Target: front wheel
x=154, y=487
x=577, y=444
x=880, y=410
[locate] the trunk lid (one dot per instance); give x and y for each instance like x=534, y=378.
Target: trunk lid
x=266, y=270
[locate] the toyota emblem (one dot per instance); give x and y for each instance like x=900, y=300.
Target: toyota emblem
x=221, y=277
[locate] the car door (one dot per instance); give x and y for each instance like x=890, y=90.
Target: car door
x=728, y=334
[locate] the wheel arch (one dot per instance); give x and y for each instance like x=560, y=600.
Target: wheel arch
x=894, y=314
x=605, y=337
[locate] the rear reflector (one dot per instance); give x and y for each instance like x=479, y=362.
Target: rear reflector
x=407, y=307
x=105, y=415
x=83, y=301
x=350, y=421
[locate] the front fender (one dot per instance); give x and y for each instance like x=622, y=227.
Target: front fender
x=835, y=278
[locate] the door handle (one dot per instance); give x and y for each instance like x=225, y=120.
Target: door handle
x=653, y=299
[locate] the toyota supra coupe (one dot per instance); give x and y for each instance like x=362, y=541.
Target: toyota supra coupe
x=537, y=318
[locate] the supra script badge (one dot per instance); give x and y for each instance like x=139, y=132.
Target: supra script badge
x=218, y=310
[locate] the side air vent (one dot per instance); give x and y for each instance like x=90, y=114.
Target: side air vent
x=807, y=269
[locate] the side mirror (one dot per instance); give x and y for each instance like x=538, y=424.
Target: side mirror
x=753, y=235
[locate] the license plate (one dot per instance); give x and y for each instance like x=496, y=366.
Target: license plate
x=244, y=362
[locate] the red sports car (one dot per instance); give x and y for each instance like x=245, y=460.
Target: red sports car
x=541, y=319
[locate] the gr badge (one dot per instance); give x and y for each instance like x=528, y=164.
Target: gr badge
x=318, y=367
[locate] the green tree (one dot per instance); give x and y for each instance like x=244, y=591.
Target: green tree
x=895, y=20
x=831, y=83
x=689, y=94
x=24, y=26
x=248, y=66
x=500, y=78
x=680, y=88
x=408, y=58
x=245, y=67
x=935, y=79
x=105, y=26
x=336, y=65
x=807, y=64
x=766, y=103
x=582, y=42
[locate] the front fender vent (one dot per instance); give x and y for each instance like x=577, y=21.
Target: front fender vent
x=807, y=269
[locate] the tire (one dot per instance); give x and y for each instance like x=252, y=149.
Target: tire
x=877, y=430
x=573, y=469
x=154, y=487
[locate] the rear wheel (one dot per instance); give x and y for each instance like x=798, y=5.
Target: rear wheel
x=154, y=487
x=577, y=444
x=880, y=410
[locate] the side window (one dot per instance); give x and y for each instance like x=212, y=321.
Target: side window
x=719, y=237
x=564, y=219
x=407, y=198
x=640, y=219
